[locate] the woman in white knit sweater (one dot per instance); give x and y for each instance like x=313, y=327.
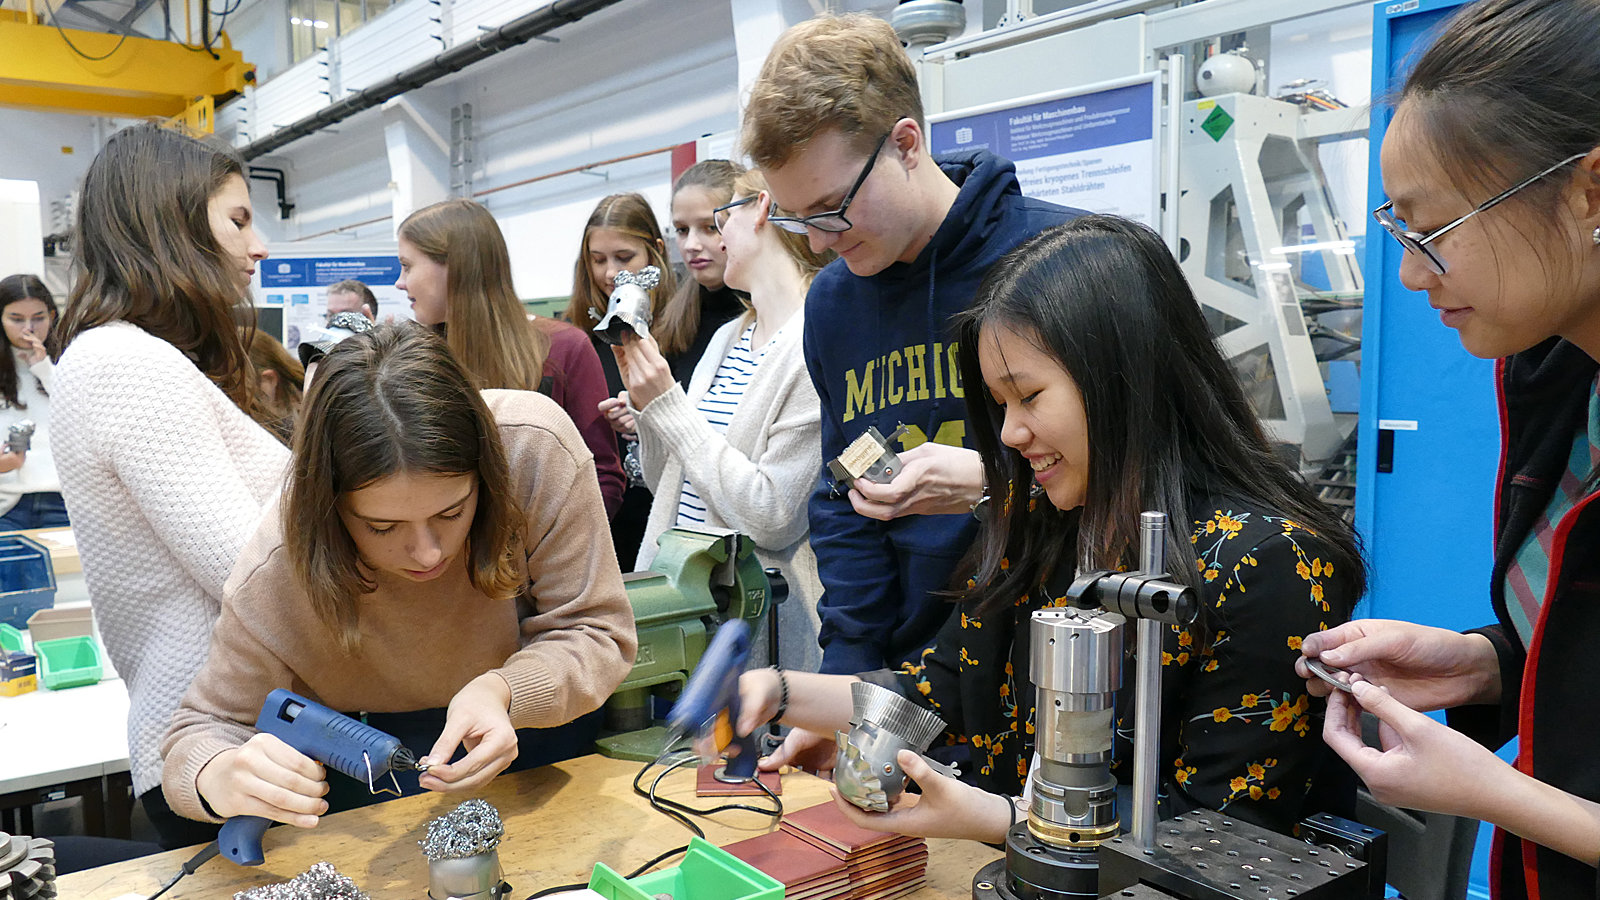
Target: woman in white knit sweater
x=30, y=491
x=163, y=472
x=742, y=447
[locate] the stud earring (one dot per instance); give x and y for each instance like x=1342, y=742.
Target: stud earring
x=1597, y=236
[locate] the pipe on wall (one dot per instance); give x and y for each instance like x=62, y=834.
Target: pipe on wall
x=512, y=34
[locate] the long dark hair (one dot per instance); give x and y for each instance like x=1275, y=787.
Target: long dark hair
x=393, y=399
x=1507, y=88
x=12, y=290
x=147, y=254
x=1168, y=421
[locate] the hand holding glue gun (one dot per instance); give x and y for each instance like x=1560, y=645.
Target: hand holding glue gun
x=710, y=701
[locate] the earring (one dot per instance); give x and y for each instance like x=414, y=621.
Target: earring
x=1597, y=237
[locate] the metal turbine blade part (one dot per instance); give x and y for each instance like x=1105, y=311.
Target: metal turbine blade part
x=894, y=714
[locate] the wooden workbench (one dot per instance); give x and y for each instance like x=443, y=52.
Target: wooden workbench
x=560, y=820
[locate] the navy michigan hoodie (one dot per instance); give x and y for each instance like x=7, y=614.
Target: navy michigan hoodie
x=881, y=351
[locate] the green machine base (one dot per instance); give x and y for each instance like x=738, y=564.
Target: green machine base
x=639, y=746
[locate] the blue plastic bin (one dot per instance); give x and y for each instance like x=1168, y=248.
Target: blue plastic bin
x=27, y=579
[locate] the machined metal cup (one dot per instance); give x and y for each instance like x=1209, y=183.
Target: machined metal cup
x=471, y=878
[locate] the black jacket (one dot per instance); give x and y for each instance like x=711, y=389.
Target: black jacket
x=1547, y=694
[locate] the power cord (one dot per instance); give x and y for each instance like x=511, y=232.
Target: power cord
x=678, y=812
x=199, y=859
x=74, y=47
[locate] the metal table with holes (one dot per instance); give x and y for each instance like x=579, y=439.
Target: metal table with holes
x=560, y=820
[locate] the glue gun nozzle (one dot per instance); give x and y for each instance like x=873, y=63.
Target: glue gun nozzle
x=404, y=761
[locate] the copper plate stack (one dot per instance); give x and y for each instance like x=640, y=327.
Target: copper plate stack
x=818, y=854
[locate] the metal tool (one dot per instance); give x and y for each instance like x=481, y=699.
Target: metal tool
x=629, y=308
x=335, y=740
x=1329, y=674
x=868, y=456
x=1070, y=847
x=699, y=577
x=1076, y=656
x=710, y=702
x=867, y=769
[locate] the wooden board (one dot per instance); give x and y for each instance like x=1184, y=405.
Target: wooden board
x=560, y=820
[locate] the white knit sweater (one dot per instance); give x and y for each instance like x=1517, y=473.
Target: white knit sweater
x=755, y=479
x=165, y=479
x=37, y=473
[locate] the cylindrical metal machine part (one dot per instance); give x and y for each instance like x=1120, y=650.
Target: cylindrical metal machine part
x=1147, y=688
x=1033, y=870
x=1076, y=667
x=471, y=878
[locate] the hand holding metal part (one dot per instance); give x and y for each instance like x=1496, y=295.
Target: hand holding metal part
x=867, y=769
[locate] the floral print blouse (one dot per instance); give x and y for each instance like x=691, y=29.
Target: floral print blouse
x=1238, y=731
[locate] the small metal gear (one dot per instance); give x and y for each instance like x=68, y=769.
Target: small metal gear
x=27, y=868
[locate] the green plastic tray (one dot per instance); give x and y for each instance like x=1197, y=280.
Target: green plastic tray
x=10, y=640
x=707, y=873
x=68, y=662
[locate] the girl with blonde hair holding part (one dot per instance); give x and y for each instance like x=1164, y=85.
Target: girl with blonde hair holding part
x=456, y=269
x=160, y=463
x=741, y=447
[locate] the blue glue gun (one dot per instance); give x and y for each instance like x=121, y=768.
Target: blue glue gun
x=333, y=739
x=710, y=700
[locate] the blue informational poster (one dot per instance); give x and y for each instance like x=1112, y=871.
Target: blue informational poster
x=1093, y=147
x=321, y=271
x=298, y=285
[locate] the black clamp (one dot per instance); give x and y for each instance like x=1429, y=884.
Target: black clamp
x=1137, y=595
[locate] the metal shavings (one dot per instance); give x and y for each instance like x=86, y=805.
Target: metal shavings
x=647, y=277
x=472, y=828
x=320, y=882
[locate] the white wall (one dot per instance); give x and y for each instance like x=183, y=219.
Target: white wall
x=49, y=148
x=635, y=77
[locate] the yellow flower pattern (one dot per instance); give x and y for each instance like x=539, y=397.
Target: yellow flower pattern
x=1240, y=728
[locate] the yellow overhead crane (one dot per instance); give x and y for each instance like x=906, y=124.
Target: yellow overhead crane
x=39, y=70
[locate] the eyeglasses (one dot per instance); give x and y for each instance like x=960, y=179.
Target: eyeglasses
x=1417, y=243
x=835, y=221
x=719, y=216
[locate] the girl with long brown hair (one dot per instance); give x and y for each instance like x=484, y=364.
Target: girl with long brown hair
x=438, y=561
x=621, y=235
x=163, y=470
x=30, y=489
x=455, y=268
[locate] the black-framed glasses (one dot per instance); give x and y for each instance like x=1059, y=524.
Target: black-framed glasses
x=719, y=216
x=835, y=221
x=1416, y=242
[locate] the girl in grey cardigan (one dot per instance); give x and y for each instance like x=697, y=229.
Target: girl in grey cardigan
x=742, y=447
